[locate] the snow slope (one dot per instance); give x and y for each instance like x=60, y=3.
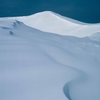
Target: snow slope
x=48, y=21
x=95, y=36
x=35, y=65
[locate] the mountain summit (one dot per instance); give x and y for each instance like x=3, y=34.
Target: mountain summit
x=48, y=21
x=43, y=66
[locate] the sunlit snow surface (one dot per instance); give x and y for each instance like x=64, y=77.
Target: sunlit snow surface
x=48, y=21
x=35, y=65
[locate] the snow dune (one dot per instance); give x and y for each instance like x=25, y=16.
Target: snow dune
x=39, y=65
x=48, y=21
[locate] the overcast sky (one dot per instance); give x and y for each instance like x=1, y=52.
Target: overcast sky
x=83, y=10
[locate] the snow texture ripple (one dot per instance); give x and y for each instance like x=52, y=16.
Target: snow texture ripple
x=39, y=65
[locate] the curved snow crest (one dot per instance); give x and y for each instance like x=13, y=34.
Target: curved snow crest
x=66, y=18
x=60, y=17
x=49, y=21
x=48, y=13
x=40, y=65
x=81, y=78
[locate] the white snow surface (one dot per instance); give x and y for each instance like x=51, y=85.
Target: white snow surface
x=95, y=36
x=36, y=65
x=49, y=21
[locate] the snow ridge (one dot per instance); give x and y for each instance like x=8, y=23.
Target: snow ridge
x=48, y=21
x=41, y=65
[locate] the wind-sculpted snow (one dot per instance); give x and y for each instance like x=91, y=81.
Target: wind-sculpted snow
x=35, y=65
x=48, y=21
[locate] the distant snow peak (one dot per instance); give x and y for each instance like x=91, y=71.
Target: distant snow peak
x=53, y=14
x=52, y=22
x=45, y=12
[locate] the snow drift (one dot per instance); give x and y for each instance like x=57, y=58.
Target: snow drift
x=48, y=21
x=44, y=66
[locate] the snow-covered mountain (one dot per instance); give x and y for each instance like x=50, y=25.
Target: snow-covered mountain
x=48, y=21
x=36, y=65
